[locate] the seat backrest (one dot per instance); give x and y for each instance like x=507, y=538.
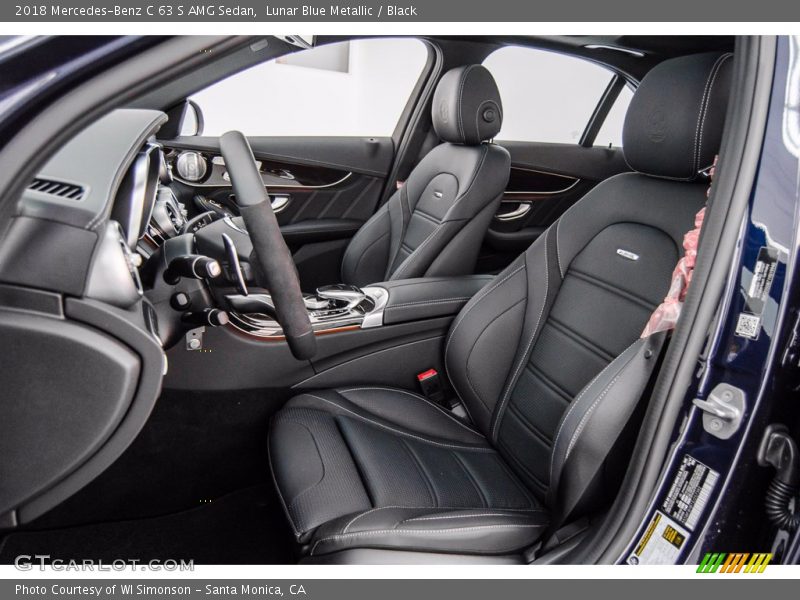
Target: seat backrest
x=435, y=223
x=538, y=356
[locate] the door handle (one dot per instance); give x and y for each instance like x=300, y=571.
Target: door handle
x=519, y=212
x=279, y=203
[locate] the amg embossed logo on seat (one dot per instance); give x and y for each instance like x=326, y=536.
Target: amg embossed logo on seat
x=627, y=254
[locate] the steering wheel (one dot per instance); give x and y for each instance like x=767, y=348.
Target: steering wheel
x=271, y=259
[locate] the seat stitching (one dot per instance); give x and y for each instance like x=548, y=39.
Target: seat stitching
x=357, y=534
x=403, y=227
x=540, y=375
x=423, y=473
x=371, y=221
x=296, y=532
x=484, y=278
x=698, y=137
x=487, y=291
x=586, y=415
x=700, y=114
x=368, y=248
x=582, y=422
x=471, y=479
x=422, y=214
x=463, y=82
x=425, y=401
x=314, y=486
x=399, y=432
x=716, y=70
x=527, y=424
x=473, y=178
x=558, y=252
x=364, y=514
x=404, y=265
x=411, y=258
x=523, y=467
x=380, y=508
x=471, y=516
x=472, y=349
x=611, y=288
x=575, y=403
x=528, y=347
x=580, y=339
x=426, y=302
x=514, y=478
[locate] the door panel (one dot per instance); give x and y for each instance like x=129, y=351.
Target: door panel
x=322, y=189
x=545, y=180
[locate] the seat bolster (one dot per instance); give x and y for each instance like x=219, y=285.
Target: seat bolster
x=480, y=530
x=585, y=428
x=313, y=470
x=367, y=254
x=394, y=410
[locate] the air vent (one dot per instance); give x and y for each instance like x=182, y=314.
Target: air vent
x=58, y=188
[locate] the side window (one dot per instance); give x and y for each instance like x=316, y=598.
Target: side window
x=550, y=97
x=353, y=88
x=610, y=133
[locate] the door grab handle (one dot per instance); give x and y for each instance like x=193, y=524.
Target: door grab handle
x=517, y=213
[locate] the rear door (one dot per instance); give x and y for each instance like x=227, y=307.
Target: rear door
x=562, y=124
x=324, y=126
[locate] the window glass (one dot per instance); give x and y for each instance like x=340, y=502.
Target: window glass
x=547, y=97
x=353, y=88
x=610, y=133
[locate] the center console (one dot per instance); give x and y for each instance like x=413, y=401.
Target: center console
x=343, y=307
x=332, y=308
x=383, y=334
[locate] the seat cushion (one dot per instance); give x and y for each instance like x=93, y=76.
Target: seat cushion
x=386, y=468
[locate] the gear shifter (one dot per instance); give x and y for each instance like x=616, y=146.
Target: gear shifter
x=342, y=293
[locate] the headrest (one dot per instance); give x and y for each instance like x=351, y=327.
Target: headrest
x=674, y=123
x=466, y=106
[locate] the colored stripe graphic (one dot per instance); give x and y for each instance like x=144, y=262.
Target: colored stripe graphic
x=735, y=562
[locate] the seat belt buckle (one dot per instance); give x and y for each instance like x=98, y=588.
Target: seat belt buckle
x=431, y=385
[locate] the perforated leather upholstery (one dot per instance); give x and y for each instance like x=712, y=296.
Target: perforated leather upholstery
x=435, y=223
x=538, y=357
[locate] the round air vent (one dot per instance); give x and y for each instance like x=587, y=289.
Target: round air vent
x=191, y=166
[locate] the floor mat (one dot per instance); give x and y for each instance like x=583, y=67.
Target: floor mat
x=244, y=527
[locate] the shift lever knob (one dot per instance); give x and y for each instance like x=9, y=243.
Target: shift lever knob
x=342, y=292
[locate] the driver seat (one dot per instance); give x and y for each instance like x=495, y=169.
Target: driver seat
x=541, y=359
x=435, y=223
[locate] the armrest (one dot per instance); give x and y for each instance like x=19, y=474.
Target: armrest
x=319, y=230
x=428, y=297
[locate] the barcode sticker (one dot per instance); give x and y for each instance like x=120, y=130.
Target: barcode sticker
x=748, y=326
x=690, y=491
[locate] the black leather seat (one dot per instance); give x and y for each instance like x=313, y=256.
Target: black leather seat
x=540, y=358
x=435, y=223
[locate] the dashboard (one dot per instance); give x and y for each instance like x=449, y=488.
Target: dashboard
x=74, y=308
x=106, y=193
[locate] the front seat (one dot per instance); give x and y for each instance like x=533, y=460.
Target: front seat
x=541, y=358
x=434, y=224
